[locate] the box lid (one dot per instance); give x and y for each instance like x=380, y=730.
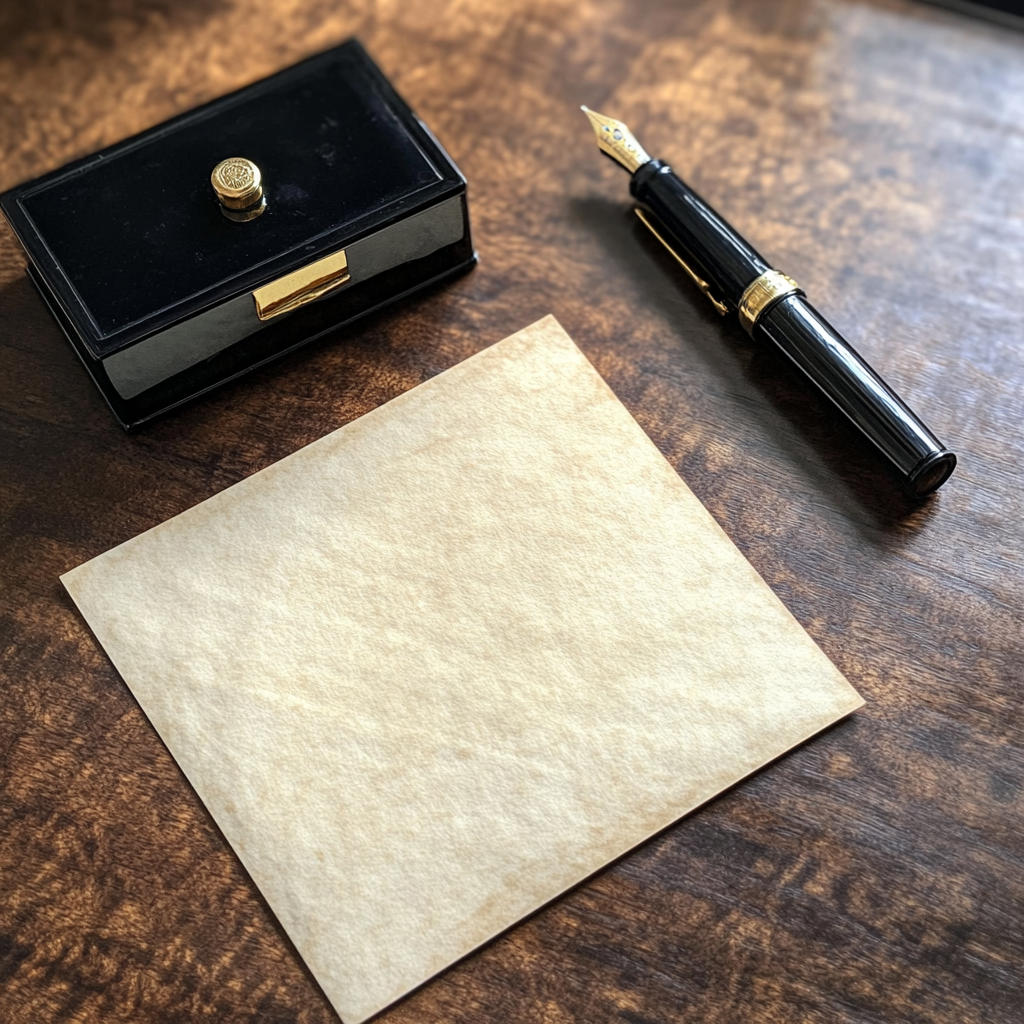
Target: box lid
x=131, y=239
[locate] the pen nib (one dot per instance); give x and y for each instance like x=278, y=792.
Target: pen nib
x=617, y=141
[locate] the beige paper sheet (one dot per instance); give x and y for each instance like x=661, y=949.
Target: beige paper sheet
x=432, y=670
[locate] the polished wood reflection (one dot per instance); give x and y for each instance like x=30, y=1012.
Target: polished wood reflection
x=873, y=150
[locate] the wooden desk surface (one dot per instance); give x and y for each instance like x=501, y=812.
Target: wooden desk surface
x=875, y=151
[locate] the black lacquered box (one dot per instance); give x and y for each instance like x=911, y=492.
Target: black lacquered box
x=165, y=292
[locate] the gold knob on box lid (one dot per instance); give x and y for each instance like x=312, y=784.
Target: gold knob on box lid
x=238, y=185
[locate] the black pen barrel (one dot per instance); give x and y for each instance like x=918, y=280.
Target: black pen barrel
x=801, y=333
x=715, y=252
x=708, y=244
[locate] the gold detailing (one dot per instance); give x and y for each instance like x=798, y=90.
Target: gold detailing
x=763, y=292
x=301, y=286
x=238, y=185
x=617, y=141
x=697, y=280
x=237, y=182
x=241, y=216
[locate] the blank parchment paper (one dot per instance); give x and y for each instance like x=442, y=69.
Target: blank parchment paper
x=435, y=668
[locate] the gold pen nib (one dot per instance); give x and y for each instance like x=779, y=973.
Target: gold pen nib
x=617, y=141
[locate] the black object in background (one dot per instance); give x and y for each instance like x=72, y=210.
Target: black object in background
x=154, y=286
x=1003, y=12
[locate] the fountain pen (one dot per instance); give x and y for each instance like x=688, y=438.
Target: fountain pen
x=773, y=308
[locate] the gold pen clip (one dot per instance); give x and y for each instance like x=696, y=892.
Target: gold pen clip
x=301, y=286
x=697, y=280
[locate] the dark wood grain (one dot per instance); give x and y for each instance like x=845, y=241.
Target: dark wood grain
x=874, y=150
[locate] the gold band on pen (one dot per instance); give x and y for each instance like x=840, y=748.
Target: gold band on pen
x=762, y=292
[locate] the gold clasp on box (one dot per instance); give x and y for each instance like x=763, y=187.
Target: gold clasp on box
x=301, y=286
